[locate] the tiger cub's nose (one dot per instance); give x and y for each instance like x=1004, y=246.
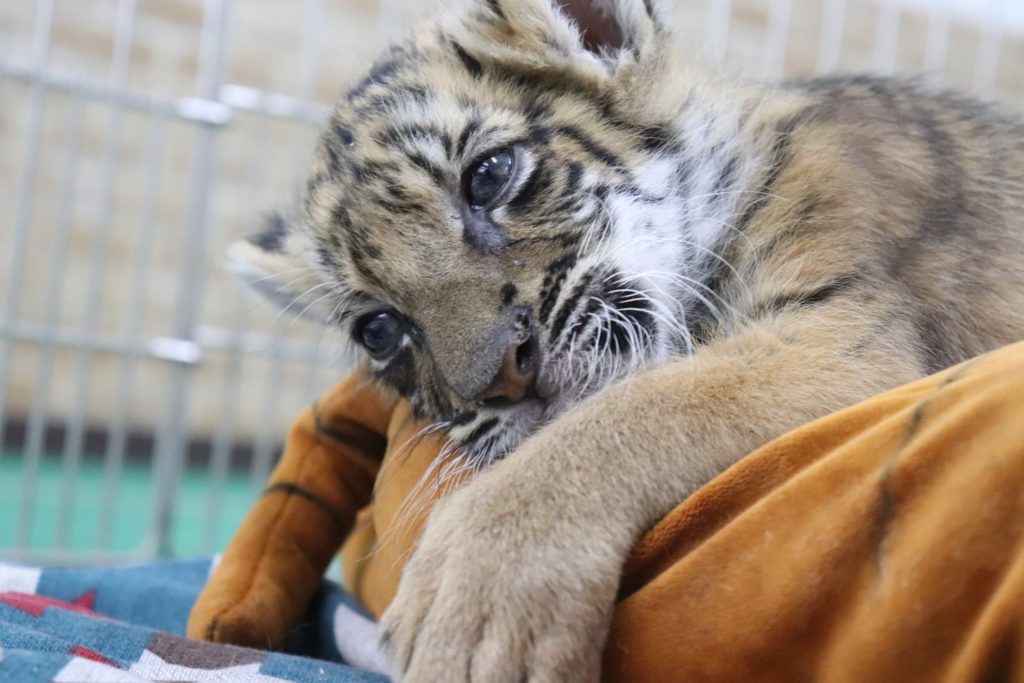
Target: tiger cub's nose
x=517, y=377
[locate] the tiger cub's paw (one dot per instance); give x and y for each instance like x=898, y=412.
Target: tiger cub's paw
x=507, y=584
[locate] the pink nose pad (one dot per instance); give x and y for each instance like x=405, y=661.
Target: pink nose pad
x=517, y=376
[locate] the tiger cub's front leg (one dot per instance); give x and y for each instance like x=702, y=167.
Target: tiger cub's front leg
x=516, y=574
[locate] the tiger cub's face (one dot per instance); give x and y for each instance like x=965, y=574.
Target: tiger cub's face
x=490, y=216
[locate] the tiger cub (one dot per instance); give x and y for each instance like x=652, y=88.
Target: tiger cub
x=609, y=274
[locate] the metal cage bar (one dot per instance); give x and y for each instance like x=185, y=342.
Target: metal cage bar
x=23, y=214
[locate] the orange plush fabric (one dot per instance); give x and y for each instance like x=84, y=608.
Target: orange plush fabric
x=884, y=542
x=274, y=563
x=385, y=532
x=355, y=443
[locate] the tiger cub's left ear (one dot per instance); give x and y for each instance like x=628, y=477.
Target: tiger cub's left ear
x=578, y=34
x=273, y=263
x=608, y=26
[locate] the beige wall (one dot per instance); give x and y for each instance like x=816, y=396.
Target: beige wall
x=286, y=48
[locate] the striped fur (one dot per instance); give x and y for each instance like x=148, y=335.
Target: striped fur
x=732, y=257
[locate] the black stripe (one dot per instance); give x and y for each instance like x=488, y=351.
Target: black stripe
x=360, y=246
x=602, y=225
x=396, y=135
x=535, y=111
x=943, y=217
x=318, y=178
x=472, y=65
x=589, y=145
x=651, y=138
x=682, y=176
x=327, y=258
x=561, y=265
x=435, y=173
x=634, y=307
x=378, y=73
x=585, y=316
x=554, y=278
x=397, y=94
x=573, y=179
x=272, y=238
x=397, y=208
x=340, y=216
x=463, y=418
x=614, y=337
x=496, y=8
x=778, y=160
x=725, y=180
x=334, y=164
x=808, y=298
x=291, y=489
x=397, y=193
x=597, y=339
x=486, y=446
x=471, y=127
x=538, y=135
x=482, y=429
x=637, y=193
x=373, y=170
x=658, y=138
x=350, y=433
x=562, y=317
x=528, y=192
x=366, y=270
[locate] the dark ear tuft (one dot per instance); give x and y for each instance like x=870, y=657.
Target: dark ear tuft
x=272, y=263
x=495, y=6
x=272, y=238
x=591, y=38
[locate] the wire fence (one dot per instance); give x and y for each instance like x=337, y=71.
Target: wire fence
x=143, y=394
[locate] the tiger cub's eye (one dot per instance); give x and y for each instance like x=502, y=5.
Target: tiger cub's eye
x=485, y=180
x=379, y=332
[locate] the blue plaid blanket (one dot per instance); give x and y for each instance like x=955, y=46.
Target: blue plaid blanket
x=126, y=624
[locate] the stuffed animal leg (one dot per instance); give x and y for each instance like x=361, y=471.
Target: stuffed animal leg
x=275, y=562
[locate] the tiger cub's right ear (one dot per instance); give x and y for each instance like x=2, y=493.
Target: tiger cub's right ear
x=273, y=263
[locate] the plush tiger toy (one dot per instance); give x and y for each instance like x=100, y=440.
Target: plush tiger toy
x=609, y=274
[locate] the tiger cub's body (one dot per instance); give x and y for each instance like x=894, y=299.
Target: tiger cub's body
x=610, y=275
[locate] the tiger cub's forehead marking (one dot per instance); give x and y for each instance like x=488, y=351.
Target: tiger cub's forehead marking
x=396, y=152
x=436, y=131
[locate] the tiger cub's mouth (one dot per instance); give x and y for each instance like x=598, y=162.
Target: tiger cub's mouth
x=599, y=328
x=600, y=333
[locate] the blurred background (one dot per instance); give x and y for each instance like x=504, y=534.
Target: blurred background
x=143, y=393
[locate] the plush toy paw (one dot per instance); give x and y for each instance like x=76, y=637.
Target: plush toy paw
x=509, y=583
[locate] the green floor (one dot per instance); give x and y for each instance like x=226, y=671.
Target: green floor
x=132, y=513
